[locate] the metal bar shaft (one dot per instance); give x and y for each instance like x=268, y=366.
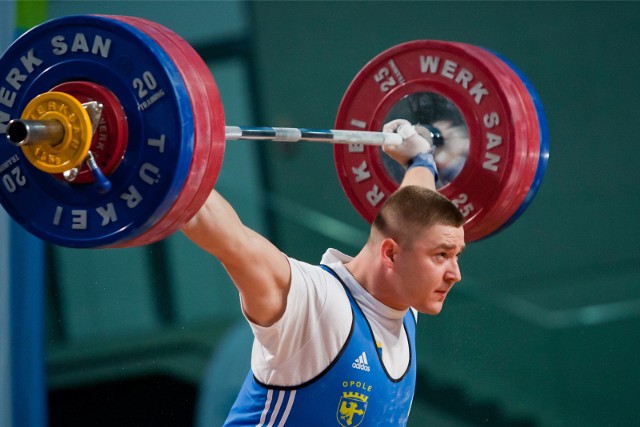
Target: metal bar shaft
x=51, y=132
x=331, y=136
x=32, y=132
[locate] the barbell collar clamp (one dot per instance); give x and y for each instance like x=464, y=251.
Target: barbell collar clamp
x=432, y=134
x=102, y=183
x=94, y=109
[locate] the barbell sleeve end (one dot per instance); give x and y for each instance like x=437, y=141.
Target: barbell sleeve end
x=31, y=132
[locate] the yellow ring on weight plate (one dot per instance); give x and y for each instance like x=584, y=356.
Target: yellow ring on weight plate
x=72, y=150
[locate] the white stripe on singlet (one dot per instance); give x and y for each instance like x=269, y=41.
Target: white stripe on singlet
x=287, y=410
x=267, y=404
x=274, y=414
x=276, y=408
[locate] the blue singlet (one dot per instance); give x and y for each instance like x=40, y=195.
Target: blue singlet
x=355, y=390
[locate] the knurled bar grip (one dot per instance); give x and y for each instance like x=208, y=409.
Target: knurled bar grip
x=331, y=136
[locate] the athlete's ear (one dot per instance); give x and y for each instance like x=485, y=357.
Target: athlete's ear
x=388, y=251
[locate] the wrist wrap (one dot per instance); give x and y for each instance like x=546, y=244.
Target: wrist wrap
x=424, y=160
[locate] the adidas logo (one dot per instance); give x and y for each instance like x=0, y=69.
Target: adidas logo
x=361, y=363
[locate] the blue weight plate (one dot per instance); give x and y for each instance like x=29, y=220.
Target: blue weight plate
x=159, y=118
x=544, y=143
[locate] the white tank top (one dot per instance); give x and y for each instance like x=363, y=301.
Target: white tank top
x=316, y=324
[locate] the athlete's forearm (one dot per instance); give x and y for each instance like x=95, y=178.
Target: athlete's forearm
x=419, y=176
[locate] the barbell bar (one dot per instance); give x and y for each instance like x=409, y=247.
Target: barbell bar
x=25, y=132
x=332, y=136
x=162, y=170
x=37, y=133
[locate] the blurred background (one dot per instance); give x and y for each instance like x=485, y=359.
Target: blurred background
x=543, y=329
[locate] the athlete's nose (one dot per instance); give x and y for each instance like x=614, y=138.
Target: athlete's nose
x=453, y=274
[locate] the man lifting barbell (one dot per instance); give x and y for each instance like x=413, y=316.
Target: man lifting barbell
x=334, y=343
x=315, y=359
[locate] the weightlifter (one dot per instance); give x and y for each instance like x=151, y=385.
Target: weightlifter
x=335, y=344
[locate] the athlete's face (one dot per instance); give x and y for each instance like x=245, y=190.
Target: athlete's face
x=428, y=267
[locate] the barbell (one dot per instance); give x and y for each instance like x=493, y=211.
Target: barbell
x=116, y=132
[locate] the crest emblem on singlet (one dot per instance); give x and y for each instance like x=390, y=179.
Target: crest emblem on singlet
x=351, y=408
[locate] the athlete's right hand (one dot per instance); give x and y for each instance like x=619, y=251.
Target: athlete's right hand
x=412, y=142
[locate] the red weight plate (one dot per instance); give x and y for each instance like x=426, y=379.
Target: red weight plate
x=209, y=131
x=517, y=188
x=543, y=155
x=110, y=140
x=490, y=105
x=212, y=134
